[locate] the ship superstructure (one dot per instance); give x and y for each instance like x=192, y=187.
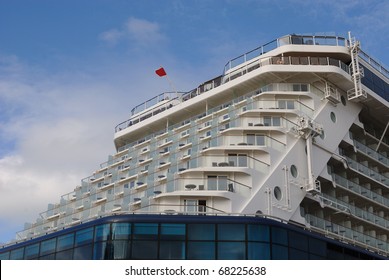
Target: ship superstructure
x=294, y=130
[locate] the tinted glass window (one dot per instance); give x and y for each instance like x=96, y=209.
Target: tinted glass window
x=64, y=255
x=231, y=232
x=145, y=231
x=231, y=251
x=173, y=250
x=173, y=231
x=83, y=252
x=201, y=231
x=102, y=232
x=295, y=254
x=279, y=235
x=4, y=256
x=279, y=252
x=258, y=233
x=32, y=251
x=298, y=241
x=317, y=247
x=145, y=250
x=258, y=251
x=201, y=250
x=65, y=242
x=17, y=254
x=84, y=236
x=121, y=230
x=48, y=246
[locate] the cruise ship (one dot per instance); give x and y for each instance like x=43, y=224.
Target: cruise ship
x=283, y=156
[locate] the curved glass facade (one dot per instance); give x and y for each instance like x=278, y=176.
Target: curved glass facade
x=183, y=237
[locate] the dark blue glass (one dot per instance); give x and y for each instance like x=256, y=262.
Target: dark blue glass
x=258, y=251
x=17, y=254
x=64, y=255
x=48, y=246
x=201, y=251
x=317, y=247
x=144, y=250
x=102, y=232
x=84, y=236
x=279, y=235
x=121, y=230
x=295, y=254
x=172, y=250
x=32, y=251
x=231, y=250
x=201, y=231
x=83, y=252
x=4, y=256
x=258, y=233
x=65, y=242
x=231, y=232
x=173, y=231
x=145, y=231
x=298, y=241
x=279, y=252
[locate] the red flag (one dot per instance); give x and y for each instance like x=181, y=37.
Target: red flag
x=160, y=72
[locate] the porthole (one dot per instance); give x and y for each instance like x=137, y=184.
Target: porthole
x=322, y=135
x=333, y=117
x=277, y=193
x=293, y=171
x=343, y=100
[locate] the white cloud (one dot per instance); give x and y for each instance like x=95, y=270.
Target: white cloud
x=137, y=31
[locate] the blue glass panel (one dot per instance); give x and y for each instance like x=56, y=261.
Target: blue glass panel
x=65, y=242
x=145, y=231
x=121, y=230
x=295, y=254
x=32, y=251
x=83, y=252
x=84, y=236
x=99, y=251
x=4, y=256
x=231, y=250
x=317, y=247
x=102, y=232
x=201, y=231
x=231, y=232
x=258, y=233
x=48, y=257
x=298, y=241
x=258, y=251
x=279, y=252
x=172, y=250
x=121, y=250
x=144, y=250
x=64, y=255
x=279, y=235
x=173, y=231
x=48, y=246
x=17, y=254
x=201, y=251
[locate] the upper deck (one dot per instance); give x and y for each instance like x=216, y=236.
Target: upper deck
x=255, y=59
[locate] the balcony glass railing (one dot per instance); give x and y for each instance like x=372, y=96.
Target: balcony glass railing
x=367, y=171
x=371, y=152
x=348, y=234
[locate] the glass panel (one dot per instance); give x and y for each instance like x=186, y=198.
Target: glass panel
x=120, y=250
x=201, y=231
x=48, y=246
x=65, y=242
x=258, y=251
x=83, y=253
x=231, y=232
x=212, y=182
x=232, y=160
x=250, y=139
x=260, y=140
x=279, y=235
x=231, y=251
x=173, y=231
x=145, y=231
x=298, y=241
x=258, y=233
x=276, y=121
x=317, y=247
x=145, y=250
x=121, y=230
x=64, y=255
x=201, y=250
x=4, y=256
x=222, y=181
x=102, y=232
x=100, y=251
x=267, y=121
x=279, y=252
x=297, y=254
x=172, y=250
x=242, y=160
x=17, y=254
x=84, y=236
x=32, y=251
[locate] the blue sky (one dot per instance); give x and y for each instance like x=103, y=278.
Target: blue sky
x=72, y=70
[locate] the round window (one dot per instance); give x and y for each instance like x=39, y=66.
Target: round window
x=293, y=171
x=277, y=193
x=333, y=117
x=343, y=99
